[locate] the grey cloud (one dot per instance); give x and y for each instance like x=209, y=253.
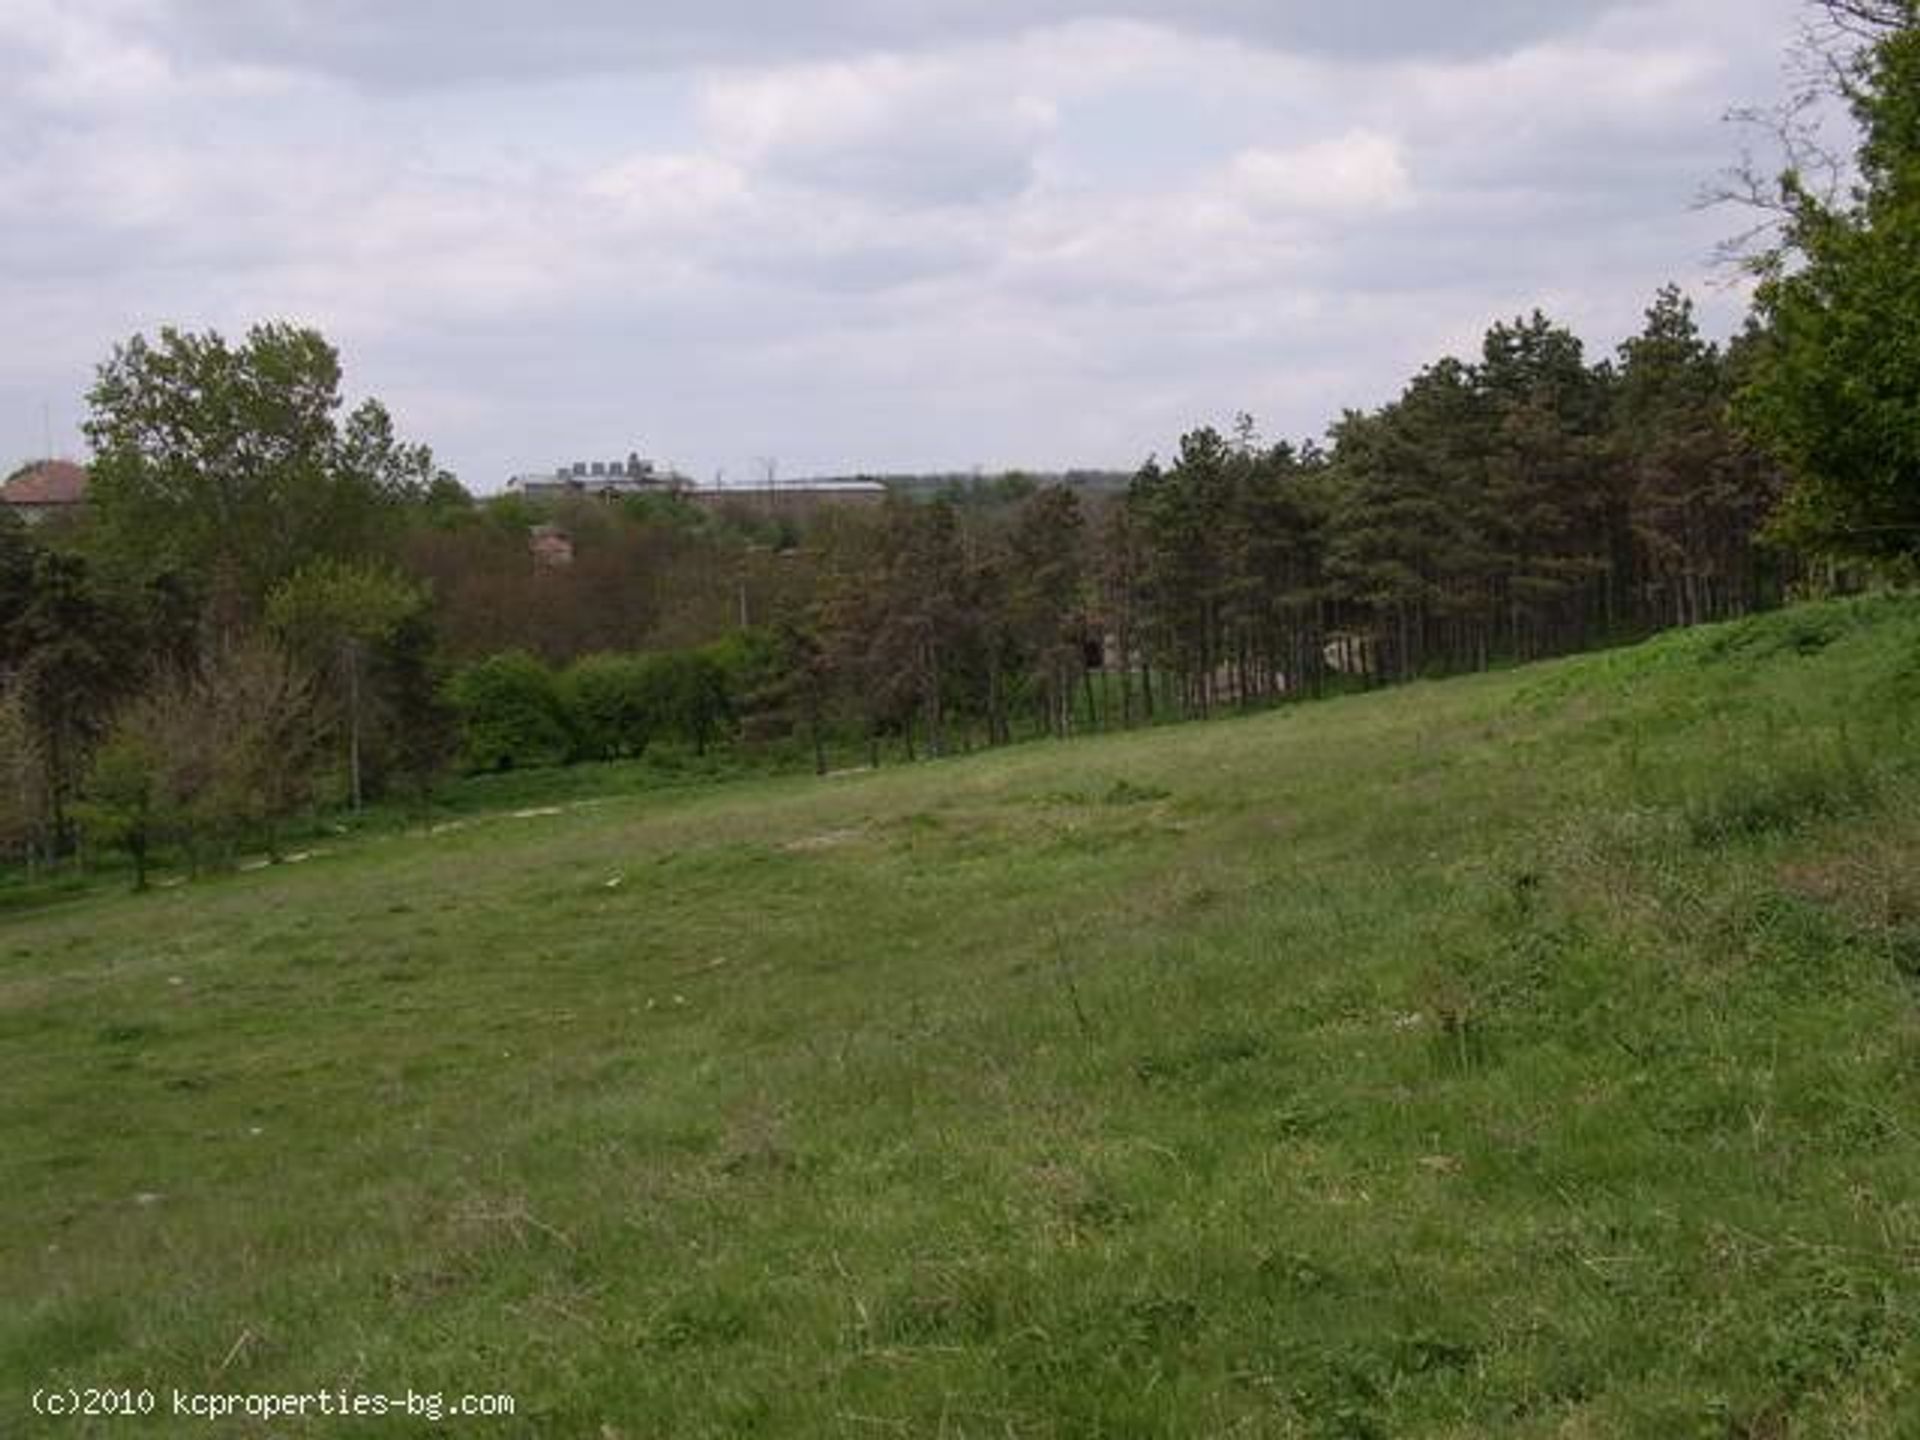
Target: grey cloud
x=916, y=169
x=958, y=256
x=930, y=135
x=428, y=43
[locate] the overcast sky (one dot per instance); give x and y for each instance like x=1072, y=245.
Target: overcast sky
x=853, y=234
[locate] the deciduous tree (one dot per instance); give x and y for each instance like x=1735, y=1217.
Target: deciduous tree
x=1835, y=388
x=230, y=464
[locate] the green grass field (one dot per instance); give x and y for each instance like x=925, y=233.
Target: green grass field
x=1529, y=1055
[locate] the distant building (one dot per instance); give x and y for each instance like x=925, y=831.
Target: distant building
x=603, y=479
x=45, y=489
x=617, y=479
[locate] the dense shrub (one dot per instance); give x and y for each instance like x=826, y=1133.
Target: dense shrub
x=511, y=714
x=691, y=689
x=208, y=760
x=514, y=711
x=616, y=704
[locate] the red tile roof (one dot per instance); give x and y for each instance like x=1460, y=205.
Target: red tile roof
x=51, y=482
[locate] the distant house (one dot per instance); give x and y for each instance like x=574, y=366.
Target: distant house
x=552, y=546
x=45, y=489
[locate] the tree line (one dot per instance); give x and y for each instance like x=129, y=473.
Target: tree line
x=1523, y=505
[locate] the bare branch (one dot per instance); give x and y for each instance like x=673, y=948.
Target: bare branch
x=1787, y=165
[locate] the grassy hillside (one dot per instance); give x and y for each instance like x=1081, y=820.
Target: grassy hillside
x=1530, y=1055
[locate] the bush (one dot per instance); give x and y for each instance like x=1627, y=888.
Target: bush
x=120, y=809
x=511, y=714
x=692, y=693
x=209, y=758
x=615, y=704
x=516, y=712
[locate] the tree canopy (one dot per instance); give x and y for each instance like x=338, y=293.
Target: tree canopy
x=1835, y=388
x=231, y=464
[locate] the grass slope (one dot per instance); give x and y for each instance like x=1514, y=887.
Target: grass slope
x=1527, y=1055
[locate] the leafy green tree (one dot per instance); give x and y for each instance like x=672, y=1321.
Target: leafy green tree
x=448, y=505
x=73, y=646
x=419, y=731
x=23, y=787
x=799, y=688
x=74, y=652
x=688, y=691
x=1697, y=491
x=1835, y=387
x=336, y=615
x=230, y=463
x=121, y=803
x=18, y=554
